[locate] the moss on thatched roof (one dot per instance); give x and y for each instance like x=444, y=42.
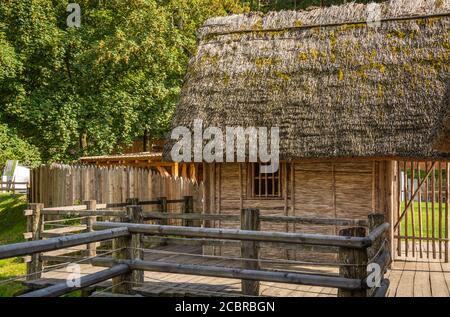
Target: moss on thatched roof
x=334, y=86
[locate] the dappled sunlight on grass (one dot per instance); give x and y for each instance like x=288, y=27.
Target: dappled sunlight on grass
x=12, y=226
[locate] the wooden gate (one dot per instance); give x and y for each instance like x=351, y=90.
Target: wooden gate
x=421, y=227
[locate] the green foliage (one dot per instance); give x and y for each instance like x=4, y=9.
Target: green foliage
x=14, y=148
x=12, y=225
x=93, y=89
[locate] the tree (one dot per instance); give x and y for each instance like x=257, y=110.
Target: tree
x=93, y=89
x=14, y=148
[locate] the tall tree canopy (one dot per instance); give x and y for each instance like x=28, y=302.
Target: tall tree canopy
x=92, y=89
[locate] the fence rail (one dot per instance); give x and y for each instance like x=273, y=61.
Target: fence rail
x=354, y=247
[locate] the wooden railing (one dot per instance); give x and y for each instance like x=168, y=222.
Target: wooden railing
x=356, y=251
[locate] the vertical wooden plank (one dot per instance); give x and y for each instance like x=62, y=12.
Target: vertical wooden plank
x=413, y=227
x=250, y=250
x=447, y=202
x=241, y=199
x=419, y=199
x=333, y=192
x=440, y=209
x=373, y=194
x=427, y=214
x=406, y=197
x=284, y=176
x=390, y=202
x=399, y=206
x=433, y=222
x=219, y=196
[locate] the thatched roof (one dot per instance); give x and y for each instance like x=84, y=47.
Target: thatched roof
x=333, y=85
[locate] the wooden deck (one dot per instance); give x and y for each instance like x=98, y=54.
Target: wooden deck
x=408, y=278
x=419, y=278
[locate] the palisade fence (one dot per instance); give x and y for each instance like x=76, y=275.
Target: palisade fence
x=67, y=185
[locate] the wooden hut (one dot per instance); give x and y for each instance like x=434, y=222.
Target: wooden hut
x=350, y=100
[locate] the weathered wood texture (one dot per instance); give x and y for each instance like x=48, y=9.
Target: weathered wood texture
x=37, y=246
x=360, y=242
x=250, y=250
x=85, y=281
x=332, y=190
x=66, y=185
x=354, y=262
x=34, y=226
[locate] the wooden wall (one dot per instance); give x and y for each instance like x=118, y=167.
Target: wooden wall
x=341, y=189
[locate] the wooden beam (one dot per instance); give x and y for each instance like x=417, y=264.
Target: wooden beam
x=85, y=281
x=30, y=247
x=234, y=234
x=258, y=275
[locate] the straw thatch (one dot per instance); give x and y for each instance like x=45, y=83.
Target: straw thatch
x=333, y=85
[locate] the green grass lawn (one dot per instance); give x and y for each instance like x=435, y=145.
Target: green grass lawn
x=424, y=219
x=12, y=226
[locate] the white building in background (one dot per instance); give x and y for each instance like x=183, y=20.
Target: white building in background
x=15, y=173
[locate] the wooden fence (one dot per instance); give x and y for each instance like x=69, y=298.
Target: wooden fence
x=422, y=222
x=356, y=250
x=67, y=185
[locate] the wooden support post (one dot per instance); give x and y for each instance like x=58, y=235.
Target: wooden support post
x=376, y=220
x=355, y=260
x=92, y=247
x=121, y=284
x=35, y=226
x=163, y=204
x=135, y=215
x=250, y=250
x=124, y=250
x=188, y=208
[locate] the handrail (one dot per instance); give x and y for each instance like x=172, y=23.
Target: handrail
x=85, y=281
x=37, y=246
x=234, y=234
x=283, y=219
x=322, y=280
